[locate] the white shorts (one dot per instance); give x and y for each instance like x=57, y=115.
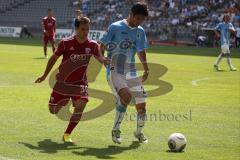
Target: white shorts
x=118, y=81
x=225, y=49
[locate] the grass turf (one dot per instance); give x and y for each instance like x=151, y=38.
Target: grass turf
x=210, y=109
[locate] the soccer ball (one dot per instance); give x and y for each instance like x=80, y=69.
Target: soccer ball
x=177, y=142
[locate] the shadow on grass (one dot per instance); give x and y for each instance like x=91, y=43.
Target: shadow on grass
x=221, y=70
x=50, y=147
x=106, y=153
x=39, y=58
x=176, y=152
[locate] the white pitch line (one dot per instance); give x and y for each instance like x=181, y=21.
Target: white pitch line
x=195, y=82
x=6, y=158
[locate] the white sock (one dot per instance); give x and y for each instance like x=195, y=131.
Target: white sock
x=141, y=118
x=120, y=112
x=229, y=60
x=219, y=59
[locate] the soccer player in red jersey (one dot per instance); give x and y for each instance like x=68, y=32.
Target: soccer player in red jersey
x=71, y=79
x=49, y=29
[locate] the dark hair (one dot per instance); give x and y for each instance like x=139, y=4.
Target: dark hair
x=49, y=10
x=140, y=9
x=225, y=15
x=81, y=20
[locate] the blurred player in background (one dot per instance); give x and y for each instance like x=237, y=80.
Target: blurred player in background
x=49, y=30
x=237, y=41
x=123, y=40
x=72, y=80
x=78, y=13
x=226, y=29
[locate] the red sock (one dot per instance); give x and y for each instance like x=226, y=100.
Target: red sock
x=45, y=50
x=70, y=127
x=53, y=49
x=73, y=123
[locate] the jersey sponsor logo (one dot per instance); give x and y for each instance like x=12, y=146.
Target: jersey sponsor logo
x=50, y=24
x=78, y=57
x=111, y=46
x=126, y=44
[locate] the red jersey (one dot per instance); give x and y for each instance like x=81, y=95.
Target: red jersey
x=76, y=57
x=49, y=24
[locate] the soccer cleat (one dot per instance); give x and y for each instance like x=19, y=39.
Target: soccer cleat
x=67, y=138
x=141, y=138
x=233, y=69
x=116, y=136
x=216, y=67
x=46, y=56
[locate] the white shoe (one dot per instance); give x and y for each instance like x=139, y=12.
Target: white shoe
x=141, y=138
x=216, y=67
x=116, y=138
x=46, y=57
x=233, y=69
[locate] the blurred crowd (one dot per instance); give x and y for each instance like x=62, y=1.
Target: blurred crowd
x=167, y=19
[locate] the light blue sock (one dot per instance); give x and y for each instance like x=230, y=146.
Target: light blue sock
x=141, y=119
x=120, y=112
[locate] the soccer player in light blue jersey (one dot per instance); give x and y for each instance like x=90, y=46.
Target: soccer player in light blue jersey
x=225, y=28
x=122, y=41
x=78, y=13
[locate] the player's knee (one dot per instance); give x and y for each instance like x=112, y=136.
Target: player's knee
x=53, y=109
x=127, y=98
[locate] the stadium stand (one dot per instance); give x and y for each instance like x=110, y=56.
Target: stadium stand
x=168, y=20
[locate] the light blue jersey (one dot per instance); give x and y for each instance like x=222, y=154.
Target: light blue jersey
x=73, y=25
x=225, y=33
x=122, y=44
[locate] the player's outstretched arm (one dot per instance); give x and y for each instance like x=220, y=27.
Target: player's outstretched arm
x=217, y=33
x=101, y=57
x=50, y=65
x=143, y=59
x=233, y=31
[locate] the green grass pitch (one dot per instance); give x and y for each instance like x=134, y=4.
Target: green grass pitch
x=209, y=100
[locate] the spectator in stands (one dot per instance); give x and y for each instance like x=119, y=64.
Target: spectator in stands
x=75, y=3
x=25, y=32
x=85, y=6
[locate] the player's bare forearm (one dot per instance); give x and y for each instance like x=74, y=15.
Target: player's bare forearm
x=233, y=32
x=216, y=33
x=102, y=48
x=50, y=64
x=143, y=58
x=49, y=67
x=43, y=28
x=101, y=57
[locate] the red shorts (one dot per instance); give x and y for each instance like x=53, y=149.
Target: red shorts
x=48, y=38
x=59, y=99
